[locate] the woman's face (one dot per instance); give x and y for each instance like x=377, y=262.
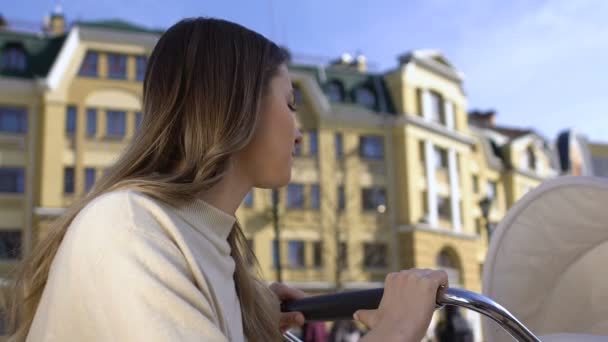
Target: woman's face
x=268, y=158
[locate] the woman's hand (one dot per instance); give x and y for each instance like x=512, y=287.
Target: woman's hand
x=286, y=293
x=406, y=307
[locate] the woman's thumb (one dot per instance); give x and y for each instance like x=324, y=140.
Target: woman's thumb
x=365, y=317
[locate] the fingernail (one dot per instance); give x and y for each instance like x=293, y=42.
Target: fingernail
x=356, y=316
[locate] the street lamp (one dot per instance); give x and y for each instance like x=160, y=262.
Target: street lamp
x=277, y=233
x=486, y=204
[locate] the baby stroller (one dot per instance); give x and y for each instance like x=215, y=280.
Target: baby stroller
x=544, y=264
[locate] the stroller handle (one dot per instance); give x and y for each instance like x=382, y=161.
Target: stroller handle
x=342, y=306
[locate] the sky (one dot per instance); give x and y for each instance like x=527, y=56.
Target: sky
x=540, y=64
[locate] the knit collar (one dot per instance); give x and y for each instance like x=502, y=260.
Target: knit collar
x=207, y=219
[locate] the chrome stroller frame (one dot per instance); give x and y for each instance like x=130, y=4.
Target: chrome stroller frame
x=451, y=296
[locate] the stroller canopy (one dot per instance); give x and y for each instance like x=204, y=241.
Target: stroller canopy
x=548, y=261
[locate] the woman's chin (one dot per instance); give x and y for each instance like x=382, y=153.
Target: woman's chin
x=276, y=182
x=283, y=181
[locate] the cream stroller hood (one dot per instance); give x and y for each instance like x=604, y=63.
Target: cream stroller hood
x=548, y=261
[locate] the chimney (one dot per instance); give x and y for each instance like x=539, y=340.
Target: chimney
x=486, y=119
x=56, y=23
x=347, y=61
x=361, y=62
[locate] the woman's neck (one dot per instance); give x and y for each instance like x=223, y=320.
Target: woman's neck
x=228, y=194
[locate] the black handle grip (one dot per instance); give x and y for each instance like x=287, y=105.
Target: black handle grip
x=337, y=306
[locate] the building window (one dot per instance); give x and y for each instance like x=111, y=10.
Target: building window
x=531, y=158
x=89, y=178
x=365, y=97
x=298, y=96
x=70, y=120
x=116, y=124
x=425, y=208
x=339, y=146
x=10, y=244
x=13, y=120
x=138, y=118
x=449, y=114
x=374, y=255
x=371, y=147
x=475, y=185
x=89, y=65
x=492, y=189
x=140, y=67
x=335, y=91
x=295, y=196
x=295, y=253
x=341, y=198
x=12, y=180
x=436, y=108
x=422, y=150
x=248, y=200
x=448, y=262
x=117, y=66
x=68, y=180
x=441, y=158
x=275, y=253
x=315, y=196
x=444, y=208
x=317, y=249
x=14, y=58
x=373, y=199
x=91, y=122
x=342, y=255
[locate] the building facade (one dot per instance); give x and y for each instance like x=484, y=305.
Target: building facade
x=393, y=172
x=599, y=158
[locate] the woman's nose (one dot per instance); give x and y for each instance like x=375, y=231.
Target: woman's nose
x=298, y=140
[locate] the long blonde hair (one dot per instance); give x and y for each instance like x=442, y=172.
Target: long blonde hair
x=203, y=89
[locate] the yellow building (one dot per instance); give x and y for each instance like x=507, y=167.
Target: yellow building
x=390, y=174
x=528, y=158
x=69, y=103
x=599, y=157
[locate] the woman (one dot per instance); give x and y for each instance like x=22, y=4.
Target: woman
x=154, y=252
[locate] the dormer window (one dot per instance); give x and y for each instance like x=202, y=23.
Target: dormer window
x=298, y=96
x=335, y=91
x=365, y=97
x=14, y=58
x=531, y=158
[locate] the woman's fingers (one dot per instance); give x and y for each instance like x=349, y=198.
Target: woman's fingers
x=407, y=305
x=290, y=319
x=367, y=317
x=284, y=292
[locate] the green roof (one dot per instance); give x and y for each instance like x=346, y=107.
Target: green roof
x=350, y=79
x=118, y=25
x=40, y=51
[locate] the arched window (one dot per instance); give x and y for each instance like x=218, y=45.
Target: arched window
x=447, y=260
x=531, y=158
x=298, y=95
x=335, y=91
x=13, y=58
x=365, y=97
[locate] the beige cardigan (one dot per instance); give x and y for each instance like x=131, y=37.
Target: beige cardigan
x=131, y=268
